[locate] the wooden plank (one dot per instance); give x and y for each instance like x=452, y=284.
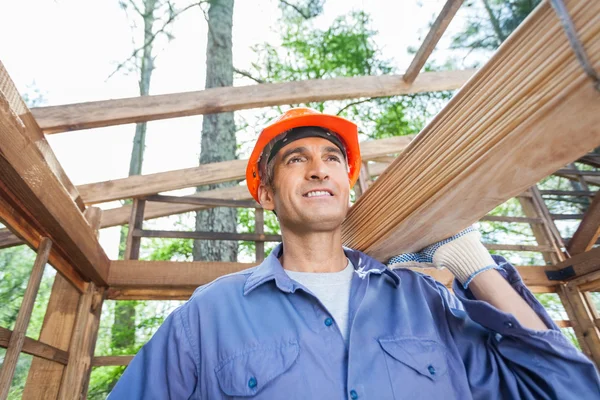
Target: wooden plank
x=252, y=237
x=33, y=236
x=81, y=348
x=170, y=274
x=107, y=361
x=564, y=217
x=40, y=350
x=582, y=317
x=201, y=201
x=144, y=185
x=498, y=136
x=435, y=33
x=37, y=195
x=148, y=108
x=8, y=239
x=589, y=229
x=582, y=263
x=577, y=172
x=120, y=215
x=162, y=293
x=519, y=247
x=44, y=377
x=132, y=246
x=575, y=193
x=15, y=344
x=33, y=131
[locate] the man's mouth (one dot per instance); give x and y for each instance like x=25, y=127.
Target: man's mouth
x=318, y=193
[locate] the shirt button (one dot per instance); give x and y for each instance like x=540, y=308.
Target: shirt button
x=328, y=321
x=252, y=383
x=508, y=324
x=431, y=370
x=353, y=394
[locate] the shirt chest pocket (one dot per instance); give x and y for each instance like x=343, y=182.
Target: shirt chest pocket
x=248, y=373
x=417, y=367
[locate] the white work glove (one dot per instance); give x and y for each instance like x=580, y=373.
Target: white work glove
x=463, y=254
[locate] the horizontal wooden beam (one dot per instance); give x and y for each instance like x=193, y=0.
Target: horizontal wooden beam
x=8, y=239
x=144, y=185
x=519, y=247
x=575, y=193
x=36, y=348
x=563, y=217
x=108, y=361
x=200, y=201
x=583, y=263
x=435, y=33
x=252, y=237
x=577, y=172
x=210, y=101
x=502, y=218
x=32, y=191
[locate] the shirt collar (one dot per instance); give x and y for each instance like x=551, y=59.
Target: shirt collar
x=271, y=269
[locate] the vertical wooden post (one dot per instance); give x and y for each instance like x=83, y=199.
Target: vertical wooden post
x=44, y=378
x=578, y=306
x=259, y=227
x=363, y=181
x=15, y=344
x=81, y=349
x=132, y=249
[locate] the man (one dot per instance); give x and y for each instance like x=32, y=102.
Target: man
x=319, y=321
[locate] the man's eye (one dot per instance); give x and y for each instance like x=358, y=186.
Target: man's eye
x=294, y=160
x=333, y=158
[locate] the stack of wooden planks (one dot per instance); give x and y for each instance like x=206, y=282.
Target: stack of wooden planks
x=529, y=111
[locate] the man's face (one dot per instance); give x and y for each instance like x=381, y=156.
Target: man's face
x=312, y=190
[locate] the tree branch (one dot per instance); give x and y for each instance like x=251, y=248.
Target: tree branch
x=248, y=75
x=354, y=103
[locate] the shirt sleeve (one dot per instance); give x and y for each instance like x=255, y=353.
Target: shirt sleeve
x=503, y=359
x=165, y=368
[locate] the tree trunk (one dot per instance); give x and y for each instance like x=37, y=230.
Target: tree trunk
x=218, y=133
x=123, y=329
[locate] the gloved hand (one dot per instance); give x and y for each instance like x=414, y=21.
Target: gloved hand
x=463, y=254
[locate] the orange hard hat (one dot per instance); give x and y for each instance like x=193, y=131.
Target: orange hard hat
x=298, y=117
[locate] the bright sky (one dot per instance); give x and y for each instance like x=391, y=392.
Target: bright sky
x=68, y=48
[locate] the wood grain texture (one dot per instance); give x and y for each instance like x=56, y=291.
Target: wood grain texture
x=17, y=338
x=38, y=349
x=216, y=100
x=225, y=171
x=587, y=233
x=37, y=195
x=10, y=92
x=433, y=36
x=529, y=111
x=8, y=239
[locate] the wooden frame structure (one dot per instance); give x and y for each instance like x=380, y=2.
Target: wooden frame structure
x=41, y=208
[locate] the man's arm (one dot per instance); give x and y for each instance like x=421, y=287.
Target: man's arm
x=165, y=368
x=491, y=287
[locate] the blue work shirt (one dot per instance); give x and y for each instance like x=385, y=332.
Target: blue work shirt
x=259, y=334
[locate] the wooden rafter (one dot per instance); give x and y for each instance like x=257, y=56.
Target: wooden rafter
x=33, y=193
x=505, y=130
x=148, y=108
x=33, y=131
x=142, y=185
x=589, y=229
x=435, y=33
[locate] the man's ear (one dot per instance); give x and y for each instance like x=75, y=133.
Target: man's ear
x=265, y=195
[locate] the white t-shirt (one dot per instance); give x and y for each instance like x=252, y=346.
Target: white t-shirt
x=332, y=289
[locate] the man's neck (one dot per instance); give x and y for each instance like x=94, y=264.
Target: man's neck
x=313, y=252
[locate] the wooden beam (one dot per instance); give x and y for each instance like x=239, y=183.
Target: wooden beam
x=81, y=348
x=435, y=33
x=17, y=338
x=37, y=195
x=519, y=247
x=225, y=171
x=498, y=136
x=252, y=237
x=158, y=275
x=259, y=229
x=8, y=239
x=107, y=361
x=577, y=172
x=582, y=316
x=36, y=348
x=34, y=133
x=502, y=218
x=201, y=201
x=136, y=220
x=589, y=229
x=210, y=101
x=575, y=193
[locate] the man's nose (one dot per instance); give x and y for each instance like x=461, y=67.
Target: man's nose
x=318, y=170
